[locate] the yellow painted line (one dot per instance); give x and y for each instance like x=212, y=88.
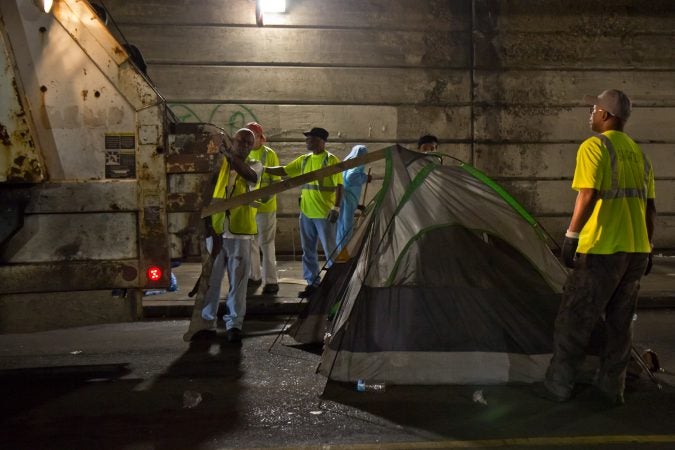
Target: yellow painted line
x=496, y=443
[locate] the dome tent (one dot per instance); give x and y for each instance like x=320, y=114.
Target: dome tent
x=452, y=282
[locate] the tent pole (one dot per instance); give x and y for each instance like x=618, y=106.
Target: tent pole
x=641, y=362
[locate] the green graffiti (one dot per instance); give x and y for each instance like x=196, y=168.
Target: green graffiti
x=238, y=119
x=187, y=114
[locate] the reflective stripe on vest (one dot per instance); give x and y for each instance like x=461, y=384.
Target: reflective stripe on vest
x=615, y=191
x=319, y=186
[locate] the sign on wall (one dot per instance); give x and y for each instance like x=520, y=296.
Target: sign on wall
x=120, y=155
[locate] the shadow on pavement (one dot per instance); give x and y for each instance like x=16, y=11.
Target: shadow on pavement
x=85, y=407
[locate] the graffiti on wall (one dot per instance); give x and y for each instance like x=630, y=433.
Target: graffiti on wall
x=228, y=117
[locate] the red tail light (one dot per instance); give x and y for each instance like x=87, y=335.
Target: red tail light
x=154, y=273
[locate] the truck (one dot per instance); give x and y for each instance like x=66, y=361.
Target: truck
x=100, y=185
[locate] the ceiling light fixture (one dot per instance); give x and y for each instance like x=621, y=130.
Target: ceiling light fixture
x=273, y=6
x=263, y=7
x=45, y=5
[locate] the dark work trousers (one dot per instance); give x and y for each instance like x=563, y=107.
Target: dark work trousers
x=599, y=285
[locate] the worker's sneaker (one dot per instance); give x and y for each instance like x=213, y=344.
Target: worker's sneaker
x=234, y=335
x=270, y=289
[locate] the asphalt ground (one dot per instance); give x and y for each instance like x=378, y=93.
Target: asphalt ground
x=139, y=386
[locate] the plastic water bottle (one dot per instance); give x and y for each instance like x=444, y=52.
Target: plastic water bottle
x=363, y=386
x=173, y=283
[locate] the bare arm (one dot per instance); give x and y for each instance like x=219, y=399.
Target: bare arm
x=243, y=169
x=276, y=170
x=583, y=208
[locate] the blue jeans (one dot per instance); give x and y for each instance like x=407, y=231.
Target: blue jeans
x=346, y=220
x=311, y=231
x=237, y=252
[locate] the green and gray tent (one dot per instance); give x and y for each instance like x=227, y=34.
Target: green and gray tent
x=453, y=282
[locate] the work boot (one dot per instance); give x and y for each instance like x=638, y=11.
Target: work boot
x=309, y=290
x=540, y=390
x=252, y=286
x=270, y=289
x=610, y=399
x=234, y=335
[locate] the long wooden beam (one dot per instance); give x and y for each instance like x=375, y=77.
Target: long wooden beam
x=218, y=205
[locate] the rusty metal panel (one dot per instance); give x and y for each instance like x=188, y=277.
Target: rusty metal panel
x=192, y=163
x=68, y=237
x=19, y=159
x=74, y=196
x=189, y=163
x=63, y=275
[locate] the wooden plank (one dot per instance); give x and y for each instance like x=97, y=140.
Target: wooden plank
x=314, y=47
x=315, y=85
x=218, y=205
x=66, y=237
x=540, y=123
x=582, y=17
x=68, y=276
x=347, y=124
x=381, y=14
x=567, y=87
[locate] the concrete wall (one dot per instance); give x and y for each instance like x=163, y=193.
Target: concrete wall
x=499, y=82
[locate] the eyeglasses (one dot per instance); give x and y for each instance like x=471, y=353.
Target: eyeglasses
x=593, y=109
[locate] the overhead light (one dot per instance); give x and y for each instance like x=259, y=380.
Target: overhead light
x=45, y=5
x=263, y=7
x=272, y=6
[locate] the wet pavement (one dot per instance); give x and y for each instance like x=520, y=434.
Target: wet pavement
x=139, y=386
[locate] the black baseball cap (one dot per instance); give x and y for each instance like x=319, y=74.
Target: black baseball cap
x=318, y=132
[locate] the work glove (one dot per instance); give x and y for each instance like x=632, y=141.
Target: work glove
x=333, y=215
x=650, y=262
x=569, y=248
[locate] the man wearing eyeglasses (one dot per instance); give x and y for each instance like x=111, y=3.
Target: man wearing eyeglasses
x=608, y=246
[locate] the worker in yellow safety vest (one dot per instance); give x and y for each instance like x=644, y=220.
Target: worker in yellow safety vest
x=319, y=205
x=231, y=233
x=265, y=269
x=608, y=244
